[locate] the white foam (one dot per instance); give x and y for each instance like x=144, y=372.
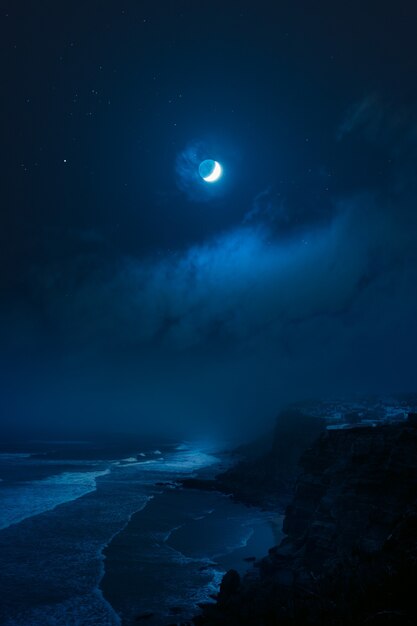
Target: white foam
x=18, y=502
x=182, y=462
x=90, y=608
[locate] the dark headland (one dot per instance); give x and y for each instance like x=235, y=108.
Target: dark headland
x=349, y=555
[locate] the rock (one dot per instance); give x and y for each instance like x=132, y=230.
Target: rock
x=230, y=584
x=200, y=483
x=412, y=419
x=144, y=616
x=266, y=472
x=350, y=551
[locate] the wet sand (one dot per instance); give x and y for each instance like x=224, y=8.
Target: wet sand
x=173, y=554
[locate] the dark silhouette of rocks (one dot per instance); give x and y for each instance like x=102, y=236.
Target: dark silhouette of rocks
x=144, y=616
x=230, y=585
x=266, y=473
x=350, y=552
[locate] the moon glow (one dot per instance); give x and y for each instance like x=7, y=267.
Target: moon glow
x=210, y=170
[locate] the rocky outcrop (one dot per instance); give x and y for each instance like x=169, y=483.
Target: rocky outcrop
x=266, y=472
x=350, y=552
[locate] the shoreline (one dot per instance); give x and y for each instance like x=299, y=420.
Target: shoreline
x=172, y=554
x=349, y=553
x=102, y=560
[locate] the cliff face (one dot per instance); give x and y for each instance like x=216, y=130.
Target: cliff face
x=268, y=480
x=350, y=552
x=266, y=472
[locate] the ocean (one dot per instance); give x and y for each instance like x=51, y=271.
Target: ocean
x=100, y=535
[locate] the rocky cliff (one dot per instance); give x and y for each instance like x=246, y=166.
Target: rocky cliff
x=266, y=472
x=350, y=552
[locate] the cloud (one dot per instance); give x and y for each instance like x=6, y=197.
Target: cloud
x=277, y=308
x=382, y=122
x=231, y=329
x=367, y=111
x=245, y=287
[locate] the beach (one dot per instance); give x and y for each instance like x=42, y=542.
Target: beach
x=172, y=554
x=101, y=535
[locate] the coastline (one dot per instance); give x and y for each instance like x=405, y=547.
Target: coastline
x=172, y=555
x=350, y=550
x=61, y=570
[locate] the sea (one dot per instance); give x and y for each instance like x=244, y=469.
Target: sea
x=100, y=534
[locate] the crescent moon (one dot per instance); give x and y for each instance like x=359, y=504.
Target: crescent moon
x=215, y=174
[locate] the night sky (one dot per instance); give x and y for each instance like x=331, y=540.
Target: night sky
x=136, y=296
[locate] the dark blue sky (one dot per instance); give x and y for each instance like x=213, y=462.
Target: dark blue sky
x=132, y=294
